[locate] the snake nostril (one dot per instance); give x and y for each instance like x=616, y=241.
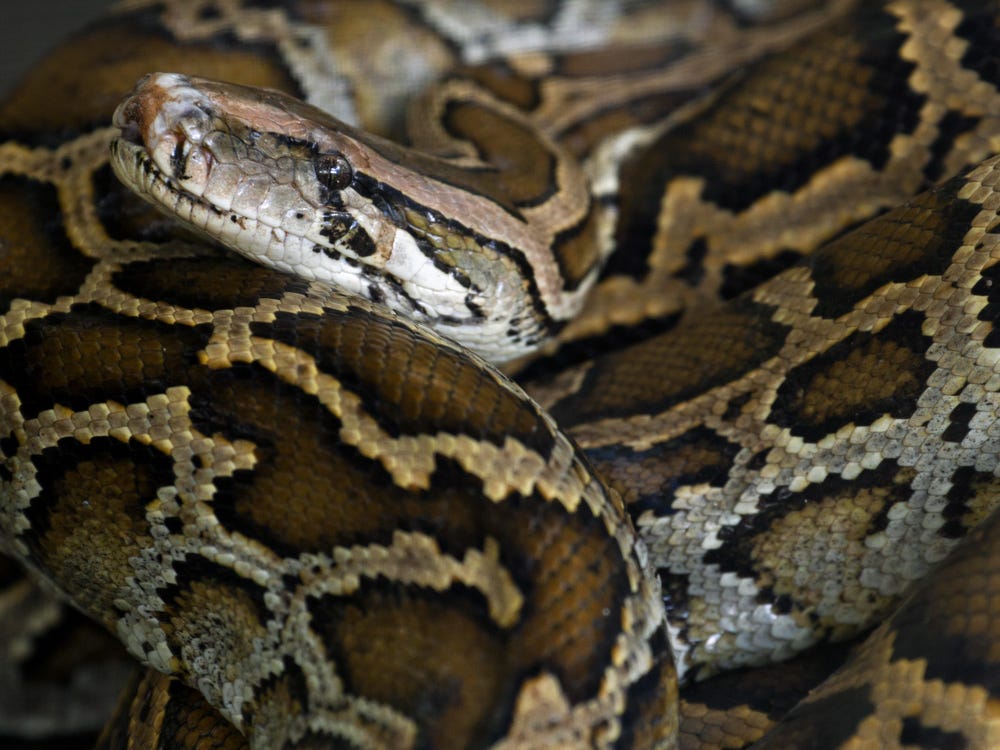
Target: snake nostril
x=128, y=118
x=131, y=132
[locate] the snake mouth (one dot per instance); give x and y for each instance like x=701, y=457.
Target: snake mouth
x=136, y=169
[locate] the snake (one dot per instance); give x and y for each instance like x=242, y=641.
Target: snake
x=738, y=257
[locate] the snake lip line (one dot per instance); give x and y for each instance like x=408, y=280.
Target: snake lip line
x=124, y=147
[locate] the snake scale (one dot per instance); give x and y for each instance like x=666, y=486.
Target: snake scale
x=324, y=525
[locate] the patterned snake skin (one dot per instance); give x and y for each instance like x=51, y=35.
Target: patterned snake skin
x=337, y=529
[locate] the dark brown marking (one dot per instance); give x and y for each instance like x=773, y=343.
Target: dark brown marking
x=190, y=723
x=209, y=282
x=79, y=86
x=973, y=496
x=525, y=167
x=505, y=84
x=613, y=338
x=572, y=581
x=92, y=355
x=545, y=549
x=576, y=249
x=751, y=149
x=953, y=619
x=916, y=239
x=947, y=627
x=651, y=376
x=915, y=733
x=37, y=261
x=857, y=380
x=848, y=510
x=647, y=480
x=980, y=30
x=409, y=385
x=427, y=656
x=286, y=694
x=619, y=59
x=835, y=719
x=89, y=518
x=650, y=718
x=767, y=134
x=959, y=419
x=581, y=137
x=211, y=607
x=565, y=565
x=989, y=287
x=715, y=711
x=953, y=125
x=739, y=278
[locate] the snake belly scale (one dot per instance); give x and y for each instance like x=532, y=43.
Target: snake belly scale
x=322, y=524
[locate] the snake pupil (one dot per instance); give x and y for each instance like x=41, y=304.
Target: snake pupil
x=333, y=172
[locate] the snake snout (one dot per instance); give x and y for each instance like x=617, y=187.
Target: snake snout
x=161, y=105
x=128, y=118
x=131, y=133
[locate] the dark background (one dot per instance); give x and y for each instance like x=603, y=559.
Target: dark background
x=31, y=28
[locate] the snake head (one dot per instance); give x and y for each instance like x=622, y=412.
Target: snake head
x=212, y=153
x=289, y=186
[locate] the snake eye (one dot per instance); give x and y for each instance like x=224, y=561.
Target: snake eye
x=333, y=171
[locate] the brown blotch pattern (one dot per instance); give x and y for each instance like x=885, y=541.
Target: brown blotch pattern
x=546, y=548
x=732, y=710
x=89, y=518
x=525, y=167
x=82, y=83
x=822, y=540
x=204, y=614
x=566, y=563
x=926, y=677
x=426, y=657
x=504, y=83
x=857, y=380
x=649, y=377
x=93, y=355
x=576, y=250
x=573, y=607
x=904, y=244
x=651, y=710
x=621, y=59
x=38, y=262
x=275, y=503
x=815, y=91
x=207, y=282
x=973, y=496
x=409, y=385
x=647, y=480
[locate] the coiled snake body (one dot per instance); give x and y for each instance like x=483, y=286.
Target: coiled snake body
x=344, y=530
